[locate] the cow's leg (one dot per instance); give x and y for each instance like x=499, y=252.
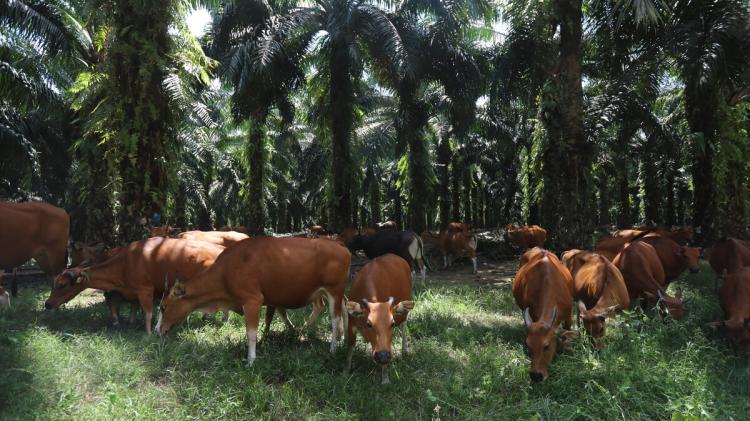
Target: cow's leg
x=133, y=311
x=474, y=262
x=285, y=317
x=337, y=322
x=252, y=317
x=423, y=269
x=146, y=299
x=225, y=317
x=351, y=341
x=270, y=311
x=317, y=308
x=445, y=260
x=112, y=309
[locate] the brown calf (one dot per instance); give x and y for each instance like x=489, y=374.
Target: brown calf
x=286, y=272
x=543, y=289
x=599, y=289
x=380, y=299
x=526, y=236
x=730, y=255
x=139, y=272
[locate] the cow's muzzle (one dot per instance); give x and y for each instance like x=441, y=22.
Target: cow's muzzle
x=536, y=376
x=382, y=357
x=695, y=270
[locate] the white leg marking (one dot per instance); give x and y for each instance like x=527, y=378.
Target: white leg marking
x=474, y=261
x=424, y=270
x=445, y=261
x=252, y=340
x=148, y=322
x=337, y=323
x=158, y=324
x=349, y=355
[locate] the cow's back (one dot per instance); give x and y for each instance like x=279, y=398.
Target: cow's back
x=151, y=262
x=284, y=271
x=541, y=279
x=729, y=254
x=640, y=267
x=734, y=294
x=33, y=230
x=666, y=251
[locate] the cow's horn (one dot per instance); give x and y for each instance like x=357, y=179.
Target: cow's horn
x=661, y=295
x=390, y=301
x=365, y=302
x=552, y=318
x=527, y=317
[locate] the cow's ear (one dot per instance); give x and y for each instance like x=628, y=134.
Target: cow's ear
x=178, y=290
x=84, y=274
x=403, y=308
x=354, y=309
x=581, y=307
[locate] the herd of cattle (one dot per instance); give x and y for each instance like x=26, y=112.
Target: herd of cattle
x=211, y=271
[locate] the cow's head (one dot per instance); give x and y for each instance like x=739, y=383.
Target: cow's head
x=174, y=307
x=541, y=339
x=379, y=320
x=573, y=260
x=594, y=321
x=674, y=304
x=4, y=298
x=737, y=330
x=66, y=286
x=692, y=256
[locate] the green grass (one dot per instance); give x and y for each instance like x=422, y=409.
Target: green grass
x=467, y=360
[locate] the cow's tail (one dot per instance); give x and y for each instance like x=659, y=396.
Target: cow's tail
x=421, y=255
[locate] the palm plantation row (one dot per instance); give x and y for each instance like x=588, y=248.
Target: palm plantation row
x=351, y=112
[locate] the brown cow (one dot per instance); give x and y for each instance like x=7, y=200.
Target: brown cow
x=599, y=289
x=543, y=289
x=526, y=236
x=729, y=254
x=734, y=296
x=627, y=234
x=347, y=234
x=452, y=244
x=674, y=257
x=138, y=272
x=286, y=272
x=33, y=230
x=222, y=238
x=457, y=227
x=644, y=276
x=610, y=247
x=380, y=299
x=681, y=235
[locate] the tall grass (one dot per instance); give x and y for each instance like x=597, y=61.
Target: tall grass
x=467, y=360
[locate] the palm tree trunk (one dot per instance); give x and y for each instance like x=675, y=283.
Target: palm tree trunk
x=342, y=116
x=412, y=120
x=444, y=195
x=567, y=159
x=256, y=161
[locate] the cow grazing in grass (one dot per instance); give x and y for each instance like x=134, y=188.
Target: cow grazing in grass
x=406, y=244
x=33, y=230
x=221, y=238
x=527, y=236
x=644, y=276
x=599, y=290
x=674, y=258
x=543, y=289
x=286, y=272
x=730, y=255
x=140, y=271
x=379, y=301
x=734, y=296
x=457, y=243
